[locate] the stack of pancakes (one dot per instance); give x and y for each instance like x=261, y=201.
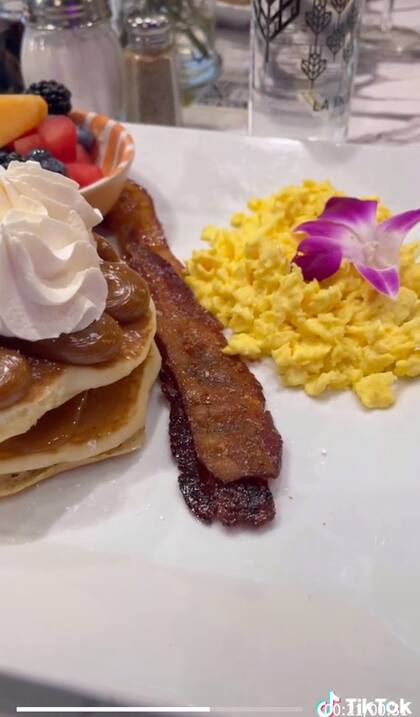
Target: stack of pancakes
x=72, y=415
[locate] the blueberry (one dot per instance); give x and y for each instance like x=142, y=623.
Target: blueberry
x=53, y=165
x=85, y=136
x=45, y=159
x=37, y=155
x=7, y=157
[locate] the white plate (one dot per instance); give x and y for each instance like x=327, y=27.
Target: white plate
x=108, y=583
x=236, y=16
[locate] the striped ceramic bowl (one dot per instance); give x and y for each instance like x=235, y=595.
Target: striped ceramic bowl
x=115, y=156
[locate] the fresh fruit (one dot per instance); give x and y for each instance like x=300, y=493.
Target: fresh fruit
x=46, y=160
x=20, y=114
x=7, y=157
x=83, y=174
x=37, y=155
x=82, y=155
x=28, y=142
x=59, y=137
x=85, y=136
x=56, y=95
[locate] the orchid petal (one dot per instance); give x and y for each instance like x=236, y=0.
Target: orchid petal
x=319, y=227
x=316, y=243
x=318, y=258
x=391, y=234
x=401, y=223
x=386, y=281
x=350, y=245
x=347, y=228
x=359, y=215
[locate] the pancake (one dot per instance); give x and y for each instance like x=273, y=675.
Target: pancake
x=53, y=384
x=12, y=483
x=92, y=424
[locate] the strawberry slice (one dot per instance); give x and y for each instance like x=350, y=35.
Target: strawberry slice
x=83, y=174
x=58, y=133
x=28, y=142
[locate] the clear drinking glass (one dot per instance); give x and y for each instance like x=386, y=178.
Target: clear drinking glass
x=303, y=61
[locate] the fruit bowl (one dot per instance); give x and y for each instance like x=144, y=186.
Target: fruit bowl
x=115, y=154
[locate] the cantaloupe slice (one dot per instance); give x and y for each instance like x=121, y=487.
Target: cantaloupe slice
x=19, y=114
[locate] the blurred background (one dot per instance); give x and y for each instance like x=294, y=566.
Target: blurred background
x=317, y=69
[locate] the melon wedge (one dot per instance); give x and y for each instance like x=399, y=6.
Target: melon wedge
x=19, y=114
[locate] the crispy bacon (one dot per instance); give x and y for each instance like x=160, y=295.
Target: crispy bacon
x=133, y=220
x=218, y=413
x=244, y=502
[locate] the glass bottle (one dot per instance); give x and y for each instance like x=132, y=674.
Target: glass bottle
x=198, y=60
x=73, y=42
x=151, y=91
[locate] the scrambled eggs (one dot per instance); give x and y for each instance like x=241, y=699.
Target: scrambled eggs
x=334, y=334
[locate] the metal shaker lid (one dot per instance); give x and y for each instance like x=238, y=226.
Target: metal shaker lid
x=150, y=33
x=61, y=14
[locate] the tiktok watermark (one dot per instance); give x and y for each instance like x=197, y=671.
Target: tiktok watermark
x=335, y=706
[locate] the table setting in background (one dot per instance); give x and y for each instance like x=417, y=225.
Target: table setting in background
x=210, y=357
x=215, y=91
x=386, y=101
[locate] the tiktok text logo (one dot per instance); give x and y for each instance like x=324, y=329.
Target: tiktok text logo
x=334, y=706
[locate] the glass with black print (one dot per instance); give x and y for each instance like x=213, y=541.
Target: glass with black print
x=303, y=62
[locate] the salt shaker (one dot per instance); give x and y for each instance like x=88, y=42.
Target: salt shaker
x=73, y=42
x=151, y=89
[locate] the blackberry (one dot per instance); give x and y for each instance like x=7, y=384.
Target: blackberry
x=7, y=157
x=46, y=160
x=57, y=97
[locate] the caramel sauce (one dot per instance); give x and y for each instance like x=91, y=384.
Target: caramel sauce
x=135, y=335
x=89, y=416
x=108, y=408
x=15, y=377
x=127, y=303
x=128, y=295
x=52, y=430
x=43, y=371
x=99, y=342
x=105, y=250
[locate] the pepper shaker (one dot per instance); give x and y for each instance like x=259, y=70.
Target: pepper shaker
x=73, y=42
x=151, y=88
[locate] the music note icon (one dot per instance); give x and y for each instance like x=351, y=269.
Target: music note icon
x=330, y=706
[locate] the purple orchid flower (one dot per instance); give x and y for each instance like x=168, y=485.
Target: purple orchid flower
x=347, y=229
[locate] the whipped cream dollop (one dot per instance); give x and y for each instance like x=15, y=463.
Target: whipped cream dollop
x=50, y=277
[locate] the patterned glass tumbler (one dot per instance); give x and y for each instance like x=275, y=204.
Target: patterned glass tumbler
x=303, y=61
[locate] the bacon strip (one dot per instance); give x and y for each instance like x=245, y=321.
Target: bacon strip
x=245, y=502
x=133, y=220
x=232, y=437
